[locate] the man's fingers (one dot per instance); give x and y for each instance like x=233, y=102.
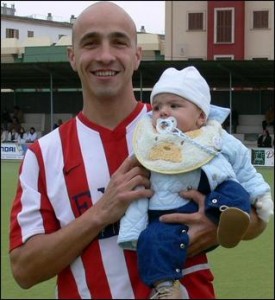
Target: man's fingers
x=129, y=163
x=178, y=218
x=194, y=195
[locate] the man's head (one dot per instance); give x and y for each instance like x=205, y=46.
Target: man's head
x=103, y=10
x=104, y=51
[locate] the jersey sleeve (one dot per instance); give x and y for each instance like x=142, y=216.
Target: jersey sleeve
x=31, y=212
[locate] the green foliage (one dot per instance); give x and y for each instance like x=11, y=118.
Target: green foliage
x=245, y=272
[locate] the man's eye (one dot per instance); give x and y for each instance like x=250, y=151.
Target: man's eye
x=120, y=43
x=90, y=44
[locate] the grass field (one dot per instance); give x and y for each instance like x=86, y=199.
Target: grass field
x=245, y=272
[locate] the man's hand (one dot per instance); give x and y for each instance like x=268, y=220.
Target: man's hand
x=256, y=227
x=122, y=190
x=202, y=232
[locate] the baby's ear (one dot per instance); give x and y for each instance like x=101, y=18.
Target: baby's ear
x=201, y=119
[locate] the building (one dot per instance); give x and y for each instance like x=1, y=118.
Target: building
x=34, y=58
x=213, y=30
x=32, y=38
x=22, y=28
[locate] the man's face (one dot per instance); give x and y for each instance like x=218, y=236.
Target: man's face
x=104, y=52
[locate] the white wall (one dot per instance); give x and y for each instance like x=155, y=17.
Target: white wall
x=52, y=30
x=181, y=44
x=259, y=43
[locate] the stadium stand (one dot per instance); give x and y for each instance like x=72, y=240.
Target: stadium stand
x=250, y=123
x=63, y=116
x=35, y=120
x=249, y=128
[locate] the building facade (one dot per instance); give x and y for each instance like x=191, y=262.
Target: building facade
x=213, y=30
x=23, y=28
x=20, y=34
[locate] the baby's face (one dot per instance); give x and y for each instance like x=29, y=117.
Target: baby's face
x=188, y=115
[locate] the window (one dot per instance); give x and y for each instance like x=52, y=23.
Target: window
x=224, y=21
x=195, y=21
x=223, y=57
x=195, y=59
x=260, y=19
x=30, y=34
x=259, y=58
x=12, y=33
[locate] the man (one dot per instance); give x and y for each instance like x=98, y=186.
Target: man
x=77, y=182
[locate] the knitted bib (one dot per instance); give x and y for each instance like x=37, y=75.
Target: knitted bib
x=175, y=152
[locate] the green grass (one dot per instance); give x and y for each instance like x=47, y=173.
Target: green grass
x=9, y=288
x=245, y=272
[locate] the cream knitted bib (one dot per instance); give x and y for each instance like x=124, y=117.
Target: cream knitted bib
x=170, y=153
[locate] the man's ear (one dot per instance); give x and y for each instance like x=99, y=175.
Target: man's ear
x=71, y=57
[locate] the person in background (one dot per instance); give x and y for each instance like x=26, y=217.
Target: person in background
x=31, y=135
x=14, y=124
x=22, y=135
x=58, y=123
x=12, y=135
x=76, y=183
x=19, y=114
x=4, y=135
x=265, y=140
x=269, y=117
x=6, y=119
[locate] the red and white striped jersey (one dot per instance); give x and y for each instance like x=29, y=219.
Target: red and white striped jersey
x=62, y=175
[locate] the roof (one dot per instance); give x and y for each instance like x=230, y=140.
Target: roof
x=35, y=20
x=253, y=73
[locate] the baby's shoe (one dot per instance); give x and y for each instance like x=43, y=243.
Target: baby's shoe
x=232, y=226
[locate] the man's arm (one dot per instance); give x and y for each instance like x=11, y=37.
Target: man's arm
x=203, y=232
x=44, y=256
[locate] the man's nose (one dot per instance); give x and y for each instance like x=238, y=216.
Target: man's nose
x=105, y=54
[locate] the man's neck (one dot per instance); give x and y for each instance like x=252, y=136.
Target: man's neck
x=108, y=113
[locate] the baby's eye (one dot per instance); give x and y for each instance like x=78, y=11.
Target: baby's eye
x=155, y=108
x=174, y=105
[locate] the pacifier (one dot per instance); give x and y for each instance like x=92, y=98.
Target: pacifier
x=166, y=125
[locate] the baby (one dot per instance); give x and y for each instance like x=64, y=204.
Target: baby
x=182, y=144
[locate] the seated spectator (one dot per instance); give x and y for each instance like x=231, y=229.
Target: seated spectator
x=269, y=118
x=31, y=136
x=18, y=113
x=22, y=135
x=4, y=135
x=12, y=135
x=6, y=118
x=264, y=140
x=57, y=124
